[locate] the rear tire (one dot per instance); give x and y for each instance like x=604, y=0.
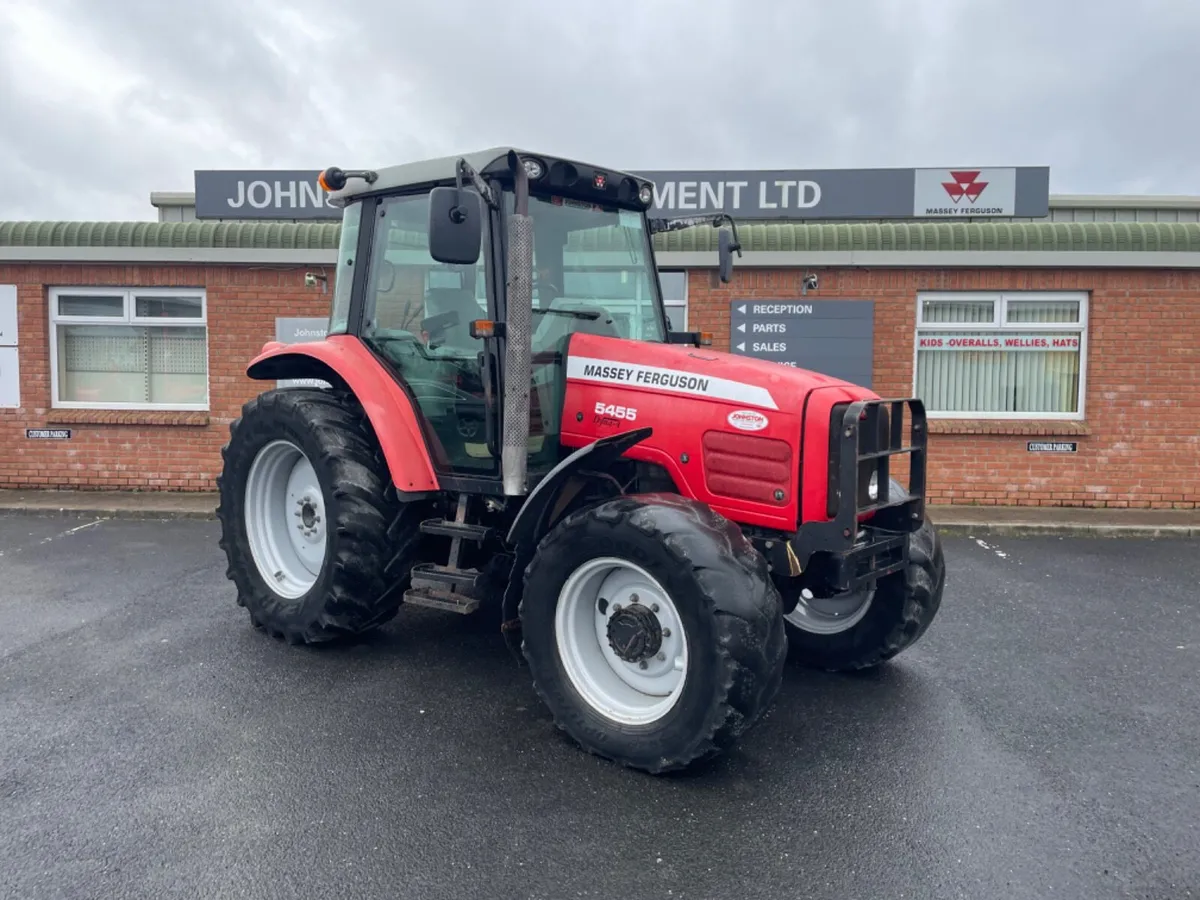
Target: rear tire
x=718, y=627
x=901, y=610
x=311, y=526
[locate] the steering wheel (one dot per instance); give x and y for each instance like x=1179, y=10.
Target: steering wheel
x=539, y=283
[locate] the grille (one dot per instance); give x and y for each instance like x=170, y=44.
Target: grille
x=745, y=467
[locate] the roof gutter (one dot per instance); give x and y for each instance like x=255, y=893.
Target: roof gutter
x=940, y=259
x=219, y=256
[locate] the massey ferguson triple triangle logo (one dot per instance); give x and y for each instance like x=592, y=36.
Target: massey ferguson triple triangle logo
x=964, y=193
x=965, y=184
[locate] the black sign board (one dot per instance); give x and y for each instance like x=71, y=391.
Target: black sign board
x=1052, y=447
x=833, y=337
x=48, y=434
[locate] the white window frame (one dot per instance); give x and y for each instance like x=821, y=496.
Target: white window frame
x=998, y=324
x=677, y=304
x=128, y=317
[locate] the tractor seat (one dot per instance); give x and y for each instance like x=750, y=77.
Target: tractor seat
x=457, y=336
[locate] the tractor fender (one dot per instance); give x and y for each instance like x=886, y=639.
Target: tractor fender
x=344, y=360
x=532, y=521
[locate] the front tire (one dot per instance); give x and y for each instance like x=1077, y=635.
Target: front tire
x=312, y=529
x=652, y=630
x=853, y=632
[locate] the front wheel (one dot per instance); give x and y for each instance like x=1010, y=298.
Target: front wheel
x=862, y=629
x=652, y=630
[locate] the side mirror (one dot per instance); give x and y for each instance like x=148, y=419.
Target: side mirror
x=455, y=226
x=727, y=244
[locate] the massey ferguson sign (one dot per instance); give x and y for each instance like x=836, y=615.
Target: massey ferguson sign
x=746, y=194
x=943, y=193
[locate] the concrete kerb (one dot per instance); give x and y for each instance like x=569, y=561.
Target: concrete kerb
x=66, y=512
x=970, y=522
x=1064, y=529
x=71, y=504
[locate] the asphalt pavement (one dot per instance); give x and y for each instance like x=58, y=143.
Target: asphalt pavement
x=1042, y=741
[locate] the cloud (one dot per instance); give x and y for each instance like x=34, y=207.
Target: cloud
x=102, y=103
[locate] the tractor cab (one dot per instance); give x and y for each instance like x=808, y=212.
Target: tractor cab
x=464, y=275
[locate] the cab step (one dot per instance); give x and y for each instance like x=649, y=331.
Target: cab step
x=443, y=600
x=440, y=578
x=452, y=529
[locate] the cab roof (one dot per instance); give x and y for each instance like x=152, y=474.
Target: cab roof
x=443, y=169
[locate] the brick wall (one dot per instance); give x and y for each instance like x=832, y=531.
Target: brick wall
x=149, y=450
x=1138, y=446
x=1140, y=443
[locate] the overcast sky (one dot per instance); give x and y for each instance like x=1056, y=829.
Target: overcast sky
x=104, y=101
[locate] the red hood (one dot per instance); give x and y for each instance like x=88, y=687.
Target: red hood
x=783, y=387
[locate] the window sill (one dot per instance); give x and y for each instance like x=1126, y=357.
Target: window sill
x=126, y=417
x=1035, y=428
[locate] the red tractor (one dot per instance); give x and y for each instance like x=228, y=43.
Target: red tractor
x=510, y=424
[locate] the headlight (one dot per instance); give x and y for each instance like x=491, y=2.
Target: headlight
x=533, y=168
x=873, y=486
x=645, y=195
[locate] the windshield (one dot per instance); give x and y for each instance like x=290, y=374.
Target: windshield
x=593, y=271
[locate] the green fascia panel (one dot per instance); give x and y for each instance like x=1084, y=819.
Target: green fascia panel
x=185, y=235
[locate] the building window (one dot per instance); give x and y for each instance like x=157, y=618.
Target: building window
x=674, y=291
x=129, y=349
x=1002, y=356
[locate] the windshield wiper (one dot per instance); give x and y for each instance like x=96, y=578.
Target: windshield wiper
x=574, y=313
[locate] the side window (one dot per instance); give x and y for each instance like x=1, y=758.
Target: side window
x=343, y=277
x=417, y=315
x=409, y=294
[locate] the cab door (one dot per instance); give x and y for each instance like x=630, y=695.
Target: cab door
x=416, y=316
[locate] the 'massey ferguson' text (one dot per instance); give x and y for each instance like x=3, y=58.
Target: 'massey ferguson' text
x=650, y=379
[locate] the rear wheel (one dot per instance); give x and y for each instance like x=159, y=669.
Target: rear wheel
x=652, y=631
x=313, y=532
x=866, y=628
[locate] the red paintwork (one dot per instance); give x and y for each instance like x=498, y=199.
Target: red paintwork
x=816, y=449
x=683, y=423
x=386, y=405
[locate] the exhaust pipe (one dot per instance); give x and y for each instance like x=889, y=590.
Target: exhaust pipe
x=518, y=334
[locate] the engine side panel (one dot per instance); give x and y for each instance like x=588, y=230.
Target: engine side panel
x=386, y=405
x=727, y=429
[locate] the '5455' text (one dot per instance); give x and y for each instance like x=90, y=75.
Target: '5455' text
x=607, y=414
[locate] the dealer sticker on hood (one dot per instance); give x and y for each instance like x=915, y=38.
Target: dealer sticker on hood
x=747, y=420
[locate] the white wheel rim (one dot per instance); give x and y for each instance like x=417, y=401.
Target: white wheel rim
x=286, y=523
x=620, y=690
x=830, y=615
